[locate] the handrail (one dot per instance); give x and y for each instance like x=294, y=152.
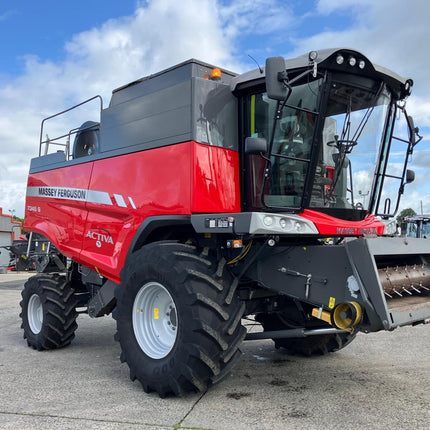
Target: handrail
x=48, y=141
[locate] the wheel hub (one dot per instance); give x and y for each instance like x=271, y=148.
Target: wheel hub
x=155, y=321
x=35, y=314
x=171, y=315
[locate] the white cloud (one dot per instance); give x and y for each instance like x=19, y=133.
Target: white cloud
x=327, y=7
x=159, y=34
x=243, y=17
x=155, y=37
x=362, y=182
x=414, y=200
x=392, y=33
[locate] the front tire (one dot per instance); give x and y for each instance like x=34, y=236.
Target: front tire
x=48, y=312
x=178, y=319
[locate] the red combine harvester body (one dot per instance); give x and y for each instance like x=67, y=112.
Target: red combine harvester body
x=201, y=197
x=171, y=184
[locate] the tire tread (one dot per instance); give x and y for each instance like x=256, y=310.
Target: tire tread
x=213, y=332
x=59, y=311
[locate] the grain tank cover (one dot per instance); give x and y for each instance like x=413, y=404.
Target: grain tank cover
x=169, y=77
x=179, y=104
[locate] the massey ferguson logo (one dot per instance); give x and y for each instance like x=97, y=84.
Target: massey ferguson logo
x=100, y=236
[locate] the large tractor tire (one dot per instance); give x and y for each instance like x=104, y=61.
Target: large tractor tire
x=306, y=346
x=48, y=312
x=178, y=319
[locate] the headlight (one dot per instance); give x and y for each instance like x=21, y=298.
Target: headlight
x=298, y=226
x=264, y=223
x=268, y=220
x=390, y=227
x=352, y=61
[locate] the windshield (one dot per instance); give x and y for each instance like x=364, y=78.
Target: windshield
x=345, y=144
x=353, y=130
x=418, y=229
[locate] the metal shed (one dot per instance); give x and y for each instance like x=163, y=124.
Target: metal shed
x=10, y=230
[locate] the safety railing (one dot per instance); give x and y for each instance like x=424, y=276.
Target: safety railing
x=64, y=139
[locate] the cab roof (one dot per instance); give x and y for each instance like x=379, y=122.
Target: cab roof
x=326, y=58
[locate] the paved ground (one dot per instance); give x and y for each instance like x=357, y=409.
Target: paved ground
x=380, y=381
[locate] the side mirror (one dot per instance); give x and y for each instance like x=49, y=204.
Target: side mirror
x=412, y=130
x=410, y=176
x=255, y=145
x=275, y=68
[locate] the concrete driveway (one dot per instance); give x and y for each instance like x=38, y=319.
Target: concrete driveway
x=380, y=381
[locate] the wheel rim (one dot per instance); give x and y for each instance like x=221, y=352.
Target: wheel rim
x=155, y=321
x=35, y=313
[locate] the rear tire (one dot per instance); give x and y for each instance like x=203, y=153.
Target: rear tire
x=178, y=319
x=48, y=312
x=307, y=346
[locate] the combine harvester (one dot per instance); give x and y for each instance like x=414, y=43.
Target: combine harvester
x=201, y=197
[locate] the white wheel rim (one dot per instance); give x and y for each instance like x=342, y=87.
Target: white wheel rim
x=35, y=313
x=155, y=321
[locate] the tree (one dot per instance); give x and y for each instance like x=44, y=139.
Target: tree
x=403, y=213
x=21, y=220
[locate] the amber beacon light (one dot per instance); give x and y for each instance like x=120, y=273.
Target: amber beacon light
x=216, y=74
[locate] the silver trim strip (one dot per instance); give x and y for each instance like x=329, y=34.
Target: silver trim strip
x=120, y=200
x=67, y=193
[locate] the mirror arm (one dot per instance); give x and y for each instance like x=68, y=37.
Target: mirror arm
x=416, y=130
x=306, y=72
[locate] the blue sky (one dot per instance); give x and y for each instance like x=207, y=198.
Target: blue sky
x=42, y=27
x=55, y=54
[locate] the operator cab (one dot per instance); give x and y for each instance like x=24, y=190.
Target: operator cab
x=328, y=127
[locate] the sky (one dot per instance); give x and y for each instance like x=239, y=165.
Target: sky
x=54, y=54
